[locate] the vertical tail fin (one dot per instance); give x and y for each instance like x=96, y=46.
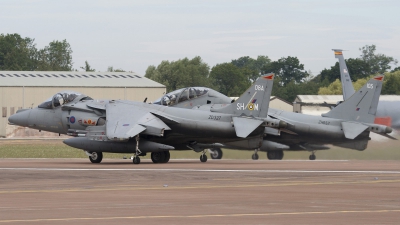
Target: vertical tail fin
x=347, y=86
x=255, y=101
x=362, y=105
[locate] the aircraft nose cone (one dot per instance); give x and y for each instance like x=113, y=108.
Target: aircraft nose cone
x=20, y=118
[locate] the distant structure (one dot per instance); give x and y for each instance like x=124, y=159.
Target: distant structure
x=26, y=89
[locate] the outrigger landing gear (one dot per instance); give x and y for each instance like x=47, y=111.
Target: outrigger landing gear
x=136, y=159
x=255, y=155
x=312, y=156
x=203, y=157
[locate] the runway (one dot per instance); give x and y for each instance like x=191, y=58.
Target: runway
x=65, y=191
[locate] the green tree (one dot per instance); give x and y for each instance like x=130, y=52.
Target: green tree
x=181, y=73
x=379, y=63
x=56, y=56
x=391, y=84
x=17, y=53
x=357, y=69
x=287, y=69
x=111, y=69
x=87, y=67
x=254, y=66
x=229, y=79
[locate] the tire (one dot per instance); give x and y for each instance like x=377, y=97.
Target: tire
x=312, y=157
x=203, y=158
x=167, y=155
x=216, y=153
x=96, y=158
x=136, y=160
x=254, y=156
x=157, y=157
x=275, y=155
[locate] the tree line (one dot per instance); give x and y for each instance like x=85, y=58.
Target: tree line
x=230, y=78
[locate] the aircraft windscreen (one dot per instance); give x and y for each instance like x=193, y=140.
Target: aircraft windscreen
x=59, y=99
x=181, y=95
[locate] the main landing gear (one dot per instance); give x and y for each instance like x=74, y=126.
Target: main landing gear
x=275, y=155
x=160, y=157
x=95, y=157
x=215, y=153
x=312, y=156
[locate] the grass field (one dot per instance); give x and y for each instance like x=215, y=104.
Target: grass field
x=9, y=148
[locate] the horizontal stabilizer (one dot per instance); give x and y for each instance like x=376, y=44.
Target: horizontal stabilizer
x=244, y=126
x=352, y=130
x=387, y=135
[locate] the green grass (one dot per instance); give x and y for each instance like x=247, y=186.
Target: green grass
x=56, y=149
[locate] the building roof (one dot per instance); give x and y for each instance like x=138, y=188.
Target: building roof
x=74, y=79
x=333, y=99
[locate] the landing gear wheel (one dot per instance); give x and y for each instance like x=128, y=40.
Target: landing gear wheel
x=203, y=158
x=254, y=156
x=157, y=157
x=136, y=160
x=96, y=157
x=216, y=153
x=275, y=155
x=312, y=157
x=166, y=156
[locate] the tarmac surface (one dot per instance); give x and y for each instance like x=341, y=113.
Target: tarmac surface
x=75, y=191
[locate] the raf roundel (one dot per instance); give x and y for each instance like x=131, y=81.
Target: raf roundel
x=72, y=119
x=251, y=106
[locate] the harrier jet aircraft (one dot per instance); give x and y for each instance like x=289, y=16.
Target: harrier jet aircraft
x=303, y=132
x=388, y=111
x=126, y=126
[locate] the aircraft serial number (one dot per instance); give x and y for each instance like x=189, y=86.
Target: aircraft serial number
x=211, y=117
x=324, y=122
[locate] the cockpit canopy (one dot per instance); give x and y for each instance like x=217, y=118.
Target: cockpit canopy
x=181, y=95
x=60, y=99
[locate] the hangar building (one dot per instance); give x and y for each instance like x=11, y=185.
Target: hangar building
x=26, y=89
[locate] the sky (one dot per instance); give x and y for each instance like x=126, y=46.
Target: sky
x=131, y=35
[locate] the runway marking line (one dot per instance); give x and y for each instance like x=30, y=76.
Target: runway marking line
x=200, y=216
x=198, y=187
x=206, y=170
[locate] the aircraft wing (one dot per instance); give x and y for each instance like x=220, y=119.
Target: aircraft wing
x=126, y=121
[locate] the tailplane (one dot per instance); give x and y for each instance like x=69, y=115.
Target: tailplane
x=362, y=105
x=347, y=86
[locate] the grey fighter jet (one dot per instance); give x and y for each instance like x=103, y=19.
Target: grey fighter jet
x=127, y=126
x=310, y=133
x=388, y=111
